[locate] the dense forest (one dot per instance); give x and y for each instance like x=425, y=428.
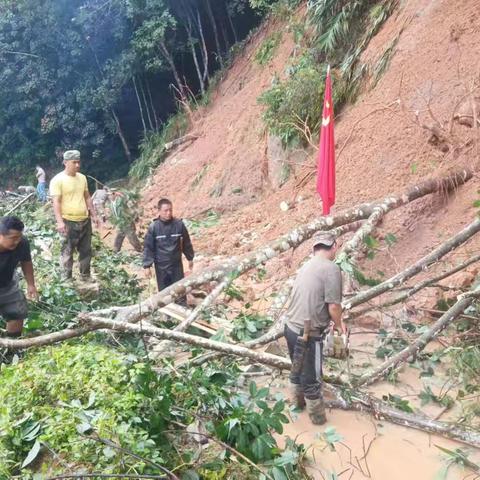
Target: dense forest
x=99, y=75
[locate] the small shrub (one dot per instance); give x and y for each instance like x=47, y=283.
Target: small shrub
x=267, y=49
x=152, y=147
x=297, y=101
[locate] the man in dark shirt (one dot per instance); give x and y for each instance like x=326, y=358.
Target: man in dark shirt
x=166, y=239
x=14, y=250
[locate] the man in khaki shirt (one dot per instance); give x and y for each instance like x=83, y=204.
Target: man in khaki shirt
x=74, y=213
x=315, y=303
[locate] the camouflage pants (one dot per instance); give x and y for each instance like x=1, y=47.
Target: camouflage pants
x=78, y=237
x=131, y=236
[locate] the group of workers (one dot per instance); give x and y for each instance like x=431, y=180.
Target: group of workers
x=74, y=211
x=315, y=303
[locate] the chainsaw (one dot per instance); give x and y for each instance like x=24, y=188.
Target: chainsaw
x=336, y=345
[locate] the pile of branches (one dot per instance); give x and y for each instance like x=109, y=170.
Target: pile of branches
x=363, y=219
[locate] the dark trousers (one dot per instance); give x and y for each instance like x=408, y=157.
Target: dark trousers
x=131, y=235
x=78, y=238
x=168, y=275
x=310, y=377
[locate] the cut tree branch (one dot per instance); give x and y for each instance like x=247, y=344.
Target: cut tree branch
x=419, y=286
x=356, y=399
x=237, y=266
x=417, y=267
x=166, y=334
x=160, y=348
x=352, y=247
x=394, y=362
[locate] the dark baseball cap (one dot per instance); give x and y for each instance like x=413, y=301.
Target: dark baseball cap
x=324, y=238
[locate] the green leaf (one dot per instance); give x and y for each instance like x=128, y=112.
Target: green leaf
x=84, y=428
x=391, y=239
x=190, y=475
x=262, y=393
x=253, y=389
x=278, y=474
x=32, y=454
x=109, y=452
x=232, y=423
x=287, y=457
x=398, y=402
x=262, y=404
x=331, y=435
x=32, y=432
x=371, y=242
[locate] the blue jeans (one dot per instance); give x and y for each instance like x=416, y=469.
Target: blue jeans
x=42, y=192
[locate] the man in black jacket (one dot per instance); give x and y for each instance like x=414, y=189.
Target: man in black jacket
x=167, y=238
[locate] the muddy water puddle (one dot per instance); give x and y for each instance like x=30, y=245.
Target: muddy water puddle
x=368, y=448
x=376, y=450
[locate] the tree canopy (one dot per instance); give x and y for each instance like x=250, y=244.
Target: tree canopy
x=98, y=75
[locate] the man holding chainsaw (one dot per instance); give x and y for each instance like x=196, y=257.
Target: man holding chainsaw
x=315, y=304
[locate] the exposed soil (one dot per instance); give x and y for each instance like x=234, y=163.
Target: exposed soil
x=384, y=143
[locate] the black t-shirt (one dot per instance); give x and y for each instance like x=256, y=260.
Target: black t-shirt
x=9, y=261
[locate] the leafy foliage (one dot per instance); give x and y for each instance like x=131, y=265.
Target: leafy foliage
x=427, y=396
x=249, y=326
x=456, y=457
x=152, y=147
x=342, y=32
x=398, y=402
x=389, y=344
x=88, y=74
x=210, y=220
x=59, y=301
x=267, y=49
x=57, y=395
x=125, y=209
x=66, y=398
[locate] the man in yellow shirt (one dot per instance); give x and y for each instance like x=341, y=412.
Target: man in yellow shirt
x=74, y=213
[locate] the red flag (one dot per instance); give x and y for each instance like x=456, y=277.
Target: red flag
x=326, y=152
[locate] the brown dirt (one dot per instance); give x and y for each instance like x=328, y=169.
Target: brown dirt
x=396, y=452
x=431, y=65
x=381, y=148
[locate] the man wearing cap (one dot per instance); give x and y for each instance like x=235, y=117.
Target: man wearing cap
x=315, y=302
x=74, y=213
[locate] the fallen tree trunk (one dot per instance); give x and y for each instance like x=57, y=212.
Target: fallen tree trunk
x=412, y=270
x=419, y=286
x=160, y=348
x=235, y=266
x=357, y=400
x=464, y=301
x=166, y=334
x=353, y=245
x=179, y=141
x=47, y=339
